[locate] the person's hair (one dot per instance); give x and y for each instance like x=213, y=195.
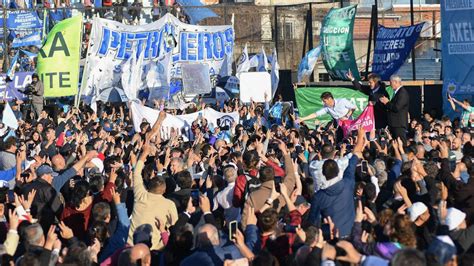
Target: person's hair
x=96, y=184
x=109, y=161
x=330, y=169
x=178, y=160
x=403, y=231
x=395, y=78
x=265, y=258
x=327, y=151
x=202, y=237
x=370, y=191
x=267, y=173
x=312, y=234
x=78, y=254
x=408, y=257
x=79, y=192
x=326, y=95
x=374, y=76
x=158, y=184
x=101, y=211
x=230, y=174
x=8, y=143
x=251, y=159
x=29, y=259
x=184, y=179
x=267, y=220
x=33, y=234
x=431, y=169
x=98, y=230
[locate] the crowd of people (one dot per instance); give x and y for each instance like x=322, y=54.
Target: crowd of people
x=86, y=188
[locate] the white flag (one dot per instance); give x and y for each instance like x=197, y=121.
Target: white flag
x=275, y=72
x=9, y=118
x=131, y=76
x=244, y=62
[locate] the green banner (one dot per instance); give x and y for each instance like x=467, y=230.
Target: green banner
x=336, y=42
x=309, y=101
x=58, y=59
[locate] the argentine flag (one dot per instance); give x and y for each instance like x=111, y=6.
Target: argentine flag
x=306, y=66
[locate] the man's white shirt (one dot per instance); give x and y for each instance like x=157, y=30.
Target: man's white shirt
x=340, y=109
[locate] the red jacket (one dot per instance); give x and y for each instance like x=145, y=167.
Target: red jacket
x=77, y=220
x=281, y=246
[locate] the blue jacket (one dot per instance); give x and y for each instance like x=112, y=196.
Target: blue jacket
x=215, y=255
x=337, y=201
x=119, y=238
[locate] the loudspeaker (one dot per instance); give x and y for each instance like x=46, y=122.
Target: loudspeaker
x=285, y=87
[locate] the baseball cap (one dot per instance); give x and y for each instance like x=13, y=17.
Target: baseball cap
x=44, y=170
x=417, y=209
x=442, y=248
x=300, y=200
x=454, y=218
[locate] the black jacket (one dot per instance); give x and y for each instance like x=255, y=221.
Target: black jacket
x=397, y=109
x=380, y=111
x=47, y=205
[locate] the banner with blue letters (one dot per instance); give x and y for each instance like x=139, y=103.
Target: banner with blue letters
x=33, y=39
x=25, y=20
x=392, y=47
x=168, y=39
x=457, y=37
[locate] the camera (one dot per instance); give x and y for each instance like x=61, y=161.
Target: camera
x=29, y=89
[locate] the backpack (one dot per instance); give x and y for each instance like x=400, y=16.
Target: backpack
x=253, y=183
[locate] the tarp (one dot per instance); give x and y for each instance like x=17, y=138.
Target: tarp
x=457, y=29
x=196, y=10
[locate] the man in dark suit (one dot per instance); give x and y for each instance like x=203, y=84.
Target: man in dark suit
x=397, y=109
x=375, y=90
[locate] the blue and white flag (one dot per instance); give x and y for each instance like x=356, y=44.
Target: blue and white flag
x=306, y=67
x=132, y=72
x=23, y=20
x=31, y=55
x=33, y=39
x=260, y=61
x=11, y=70
x=226, y=68
x=9, y=118
x=244, y=62
x=275, y=72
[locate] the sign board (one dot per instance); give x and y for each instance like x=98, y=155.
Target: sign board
x=254, y=85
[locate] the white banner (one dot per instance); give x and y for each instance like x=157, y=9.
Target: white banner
x=180, y=123
x=112, y=44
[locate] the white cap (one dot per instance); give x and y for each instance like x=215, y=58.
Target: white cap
x=454, y=218
x=98, y=163
x=417, y=209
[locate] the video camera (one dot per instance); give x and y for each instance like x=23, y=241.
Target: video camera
x=29, y=89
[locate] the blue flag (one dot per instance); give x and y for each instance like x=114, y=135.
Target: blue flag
x=306, y=66
x=195, y=11
x=392, y=47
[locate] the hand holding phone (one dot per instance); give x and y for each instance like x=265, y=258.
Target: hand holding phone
x=232, y=229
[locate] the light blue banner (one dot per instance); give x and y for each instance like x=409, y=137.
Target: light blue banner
x=457, y=27
x=29, y=40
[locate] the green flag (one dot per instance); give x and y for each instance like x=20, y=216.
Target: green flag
x=58, y=59
x=336, y=42
x=309, y=101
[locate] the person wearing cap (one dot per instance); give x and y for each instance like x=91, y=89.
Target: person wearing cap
x=441, y=251
x=426, y=223
x=47, y=205
x=462, y=235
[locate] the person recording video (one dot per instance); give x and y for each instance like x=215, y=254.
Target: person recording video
x=36, y=90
